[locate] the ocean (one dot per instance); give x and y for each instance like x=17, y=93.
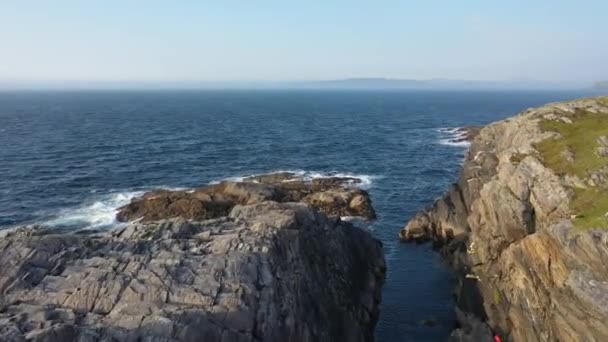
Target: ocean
x=69, y=159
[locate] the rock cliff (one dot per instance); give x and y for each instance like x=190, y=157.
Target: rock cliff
x=525, y=227
x=230, y=262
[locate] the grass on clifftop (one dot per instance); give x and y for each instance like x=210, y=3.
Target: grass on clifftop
x=590, y=206
x=580, y=138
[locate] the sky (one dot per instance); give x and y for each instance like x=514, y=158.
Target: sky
x=264, y=40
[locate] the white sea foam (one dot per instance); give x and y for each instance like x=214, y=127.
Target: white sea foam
x=366, y=181
x=97, y=213
x=358, y=221
x=450, y=142
x=453, y=136
x=100, y=213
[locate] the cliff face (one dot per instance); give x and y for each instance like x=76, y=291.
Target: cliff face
x=262, y=271
x=524, y=226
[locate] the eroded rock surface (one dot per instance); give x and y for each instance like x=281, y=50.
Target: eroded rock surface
x=259, y=270
x=335, y=196
x=507, y=229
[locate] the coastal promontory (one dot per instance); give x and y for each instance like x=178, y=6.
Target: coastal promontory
x=263, y=259
x=525, y=227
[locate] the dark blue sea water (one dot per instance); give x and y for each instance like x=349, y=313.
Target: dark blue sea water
x=69, y=159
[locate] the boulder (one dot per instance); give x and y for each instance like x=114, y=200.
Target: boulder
x=417, y=229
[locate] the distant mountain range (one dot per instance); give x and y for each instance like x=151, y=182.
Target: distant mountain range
x=438, y=84
x=601, y=85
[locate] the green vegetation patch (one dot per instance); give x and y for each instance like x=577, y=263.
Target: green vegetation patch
x=497, y=297
x=590, y=206
x=580, y=139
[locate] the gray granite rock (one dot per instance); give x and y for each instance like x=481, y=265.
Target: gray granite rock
x=266, y=271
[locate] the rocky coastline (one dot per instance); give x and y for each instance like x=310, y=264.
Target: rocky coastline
x=524, y=227
x=264, y=259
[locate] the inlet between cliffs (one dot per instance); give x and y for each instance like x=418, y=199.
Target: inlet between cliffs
x=69, y=161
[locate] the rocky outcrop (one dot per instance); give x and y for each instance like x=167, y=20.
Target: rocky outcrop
x=334, y=196
x=247, y=268
x=527, y=262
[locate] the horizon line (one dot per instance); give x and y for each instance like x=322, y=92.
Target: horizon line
x=353, y=78
x=353, y=83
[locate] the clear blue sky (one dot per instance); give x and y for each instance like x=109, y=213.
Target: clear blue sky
x=301, y=40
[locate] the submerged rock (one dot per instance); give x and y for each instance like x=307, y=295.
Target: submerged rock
x=234, y=266
x=529, y=267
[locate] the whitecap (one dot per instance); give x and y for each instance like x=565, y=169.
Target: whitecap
x=451, y=142
x=448, y=130
x=453, y=136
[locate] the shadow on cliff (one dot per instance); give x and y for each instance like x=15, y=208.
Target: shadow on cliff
x=472, y=317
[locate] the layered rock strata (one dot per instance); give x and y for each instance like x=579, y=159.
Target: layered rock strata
x=530, y=256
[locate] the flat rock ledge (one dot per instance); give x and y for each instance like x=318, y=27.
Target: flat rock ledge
x=267, y=270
